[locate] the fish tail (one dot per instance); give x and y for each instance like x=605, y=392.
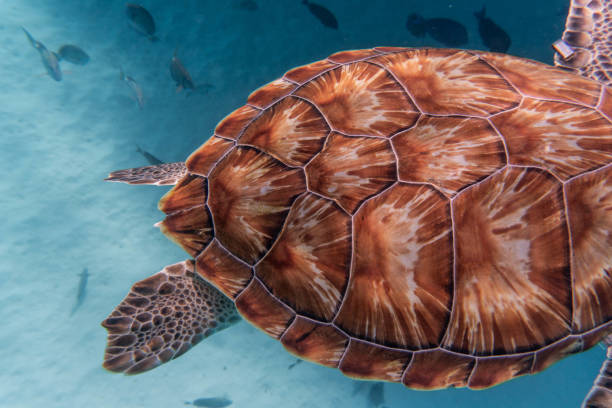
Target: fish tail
x=481, y=13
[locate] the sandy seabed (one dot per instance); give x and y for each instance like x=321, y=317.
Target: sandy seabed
x=58, y=140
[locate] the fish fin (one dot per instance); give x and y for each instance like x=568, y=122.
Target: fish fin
x=586, y=32
x=29, y=36
x=600, y=395
x=161, y=174
x=482, y=13
x=173, y=300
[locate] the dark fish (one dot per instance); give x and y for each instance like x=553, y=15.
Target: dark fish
x=141, y=20
x=154, y=161
x=493, y=36
x=215, y=402
x=73, y=54
x=180, y=74
x=49, y=59
x=133, y=85
x=323, y=14
x=449, y=32
x=249, y=5
x=376, y=396
x=296, y=362
x=81, y=291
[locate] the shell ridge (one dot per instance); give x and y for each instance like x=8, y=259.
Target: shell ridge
x=499, y=72
x=398, y=82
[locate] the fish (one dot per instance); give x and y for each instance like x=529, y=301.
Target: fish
x=493, y=36
x=81, y=291
x=445, y=30
x=133, y=85
x=296, y=362
x=376, y=395
x=214, y=402
x=154, y=161
x=249, y=5
x=49, y=59
x=141, y=20
x=325, y=16
x=73, y=54
x=180, y=74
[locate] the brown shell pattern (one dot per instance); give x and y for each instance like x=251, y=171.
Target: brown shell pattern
x=439, y=218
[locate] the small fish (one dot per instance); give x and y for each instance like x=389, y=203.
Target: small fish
x=296, y=362
x=493, y=36
x=49, y=59
x=81, y=291
x=325, y=16
x=154, y=161
x=449, y=32
x=376, y=396
x=141, y=20
x=73, y=54
x=249, y=5
x=180, y=74
x=215, y=402
x=136, y=89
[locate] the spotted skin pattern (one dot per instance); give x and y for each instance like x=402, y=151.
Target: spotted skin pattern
x=588, y=29
x=447, y=224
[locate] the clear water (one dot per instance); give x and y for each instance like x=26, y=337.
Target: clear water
x=58, y=140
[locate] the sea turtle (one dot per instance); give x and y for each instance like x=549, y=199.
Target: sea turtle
x=435, y=217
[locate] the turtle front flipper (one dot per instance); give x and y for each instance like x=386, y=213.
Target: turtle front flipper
x=160, y=174
x=600, y=395
x=586, y=33
x=162, y=317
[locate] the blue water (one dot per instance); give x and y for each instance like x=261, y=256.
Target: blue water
x=58, y=140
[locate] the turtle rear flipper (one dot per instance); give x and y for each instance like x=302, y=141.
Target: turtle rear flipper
x=162, y=317
x=600, y=395
x=586, y=32
x=160, y=174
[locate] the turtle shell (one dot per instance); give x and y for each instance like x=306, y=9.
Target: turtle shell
x=440, y=218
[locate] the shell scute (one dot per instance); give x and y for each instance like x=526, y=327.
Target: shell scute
x=322, y=344
x=449, y=152
x=270, y=93
x=203, y=160
x=264, y=311
x=450, y=82
x=232, y=125
x=400, y=289
x=542, y=81
x=351, y=169
x=361, y=99
x=250, y=196
x=565, y=139
x=589, y=207
x=308, y=265
x=493, y=370
x=435, y=369
x=305, y=73
x=511, y=244
x=370, y=362
x=293, y=131
x=345, y=57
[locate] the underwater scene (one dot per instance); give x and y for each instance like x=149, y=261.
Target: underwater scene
x=92, y=87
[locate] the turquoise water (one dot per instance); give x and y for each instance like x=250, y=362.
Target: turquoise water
x=58, y=140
